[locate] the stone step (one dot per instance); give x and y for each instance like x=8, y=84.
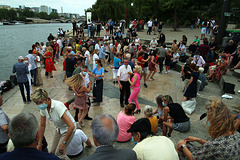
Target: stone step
x=236, y=73
x=229, y=78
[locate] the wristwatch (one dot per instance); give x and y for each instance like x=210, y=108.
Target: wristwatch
x=182, y=146
x=66, y=143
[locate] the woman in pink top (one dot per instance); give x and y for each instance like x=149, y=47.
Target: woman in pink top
x=135, y=85
x=125, y=119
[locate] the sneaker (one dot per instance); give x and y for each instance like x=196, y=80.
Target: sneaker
x=67, y=105
x=166, y=72
x=82, y=124
x=105, y=71
x=29, y=102
x=145, y=85
x=122, y=105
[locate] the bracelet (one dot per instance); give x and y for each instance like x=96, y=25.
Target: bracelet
x=182, y=146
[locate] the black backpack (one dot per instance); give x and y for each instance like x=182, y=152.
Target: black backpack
x=13, y=79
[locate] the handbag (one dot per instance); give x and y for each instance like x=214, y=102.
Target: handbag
x=228, y=88
x=189, y=106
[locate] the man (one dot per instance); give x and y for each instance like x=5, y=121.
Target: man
x=128, y=56
x=70, y=65
x=21, y=70
x=161, y=58
x=50, y=37
x=155, y=25
x=111, y=23
x=59, y=42
x=4, y=122
x=32, y=61
x=23, y=131
x=122, y=77
x=74, y=24
x=161, y=38
x=98, y=23
x=143, y=62
x=102, y=55
x=182, y=52
x=212, y=46
x=89, y=24
x=105, y=132
x=55, y=51
x=149, y=24
x=153, y=44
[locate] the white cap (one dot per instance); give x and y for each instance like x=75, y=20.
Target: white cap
x=20, y=57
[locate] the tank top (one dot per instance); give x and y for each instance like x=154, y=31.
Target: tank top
x=137, y=84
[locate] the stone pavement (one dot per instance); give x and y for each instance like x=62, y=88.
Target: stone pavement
x=170, y=84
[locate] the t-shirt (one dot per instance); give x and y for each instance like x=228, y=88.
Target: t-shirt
x=175, y=55
x=31, y=60
x=154, y=123
x=55, y=115
x=149, y=23
x=177, y=113
x=124, y=123
x=145, y=58
x=76, y=144
x=3, y=120
x=197, y=41
x=116, y=62
x=156, y=147
x=85, y=55
x=100, y=72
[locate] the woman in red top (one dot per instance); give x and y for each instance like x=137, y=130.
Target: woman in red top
x=49, y=66
x=152, y=65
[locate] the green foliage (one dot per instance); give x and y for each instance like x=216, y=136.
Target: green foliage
x=53, y=15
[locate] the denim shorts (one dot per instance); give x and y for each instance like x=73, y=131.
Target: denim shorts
x=181, y=127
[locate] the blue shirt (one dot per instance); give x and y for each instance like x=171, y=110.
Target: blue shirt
x=31, y=60
x=27, y=153
x=111, y=23
x=22, y=70
x=116, y=62
x=131, y=64
x=100, y=72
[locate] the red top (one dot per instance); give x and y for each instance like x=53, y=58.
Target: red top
x=140, y=59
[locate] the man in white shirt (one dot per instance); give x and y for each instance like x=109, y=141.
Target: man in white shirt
x=149, y=24
x=76, y=146
x=59, y=42
x=89, y=23
x=153, y=44
x=97, y=46
x=123, y=74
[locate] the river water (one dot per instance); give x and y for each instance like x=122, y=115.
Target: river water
x=16, y=40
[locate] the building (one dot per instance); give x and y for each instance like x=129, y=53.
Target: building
x=44, y=8
x=49, y=10
x=5, y=6
x=54, y=10
x=35, y=9
x=21, y=7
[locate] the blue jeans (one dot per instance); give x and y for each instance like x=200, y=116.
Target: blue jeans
x=26, y=84
x=88, y=30
x=34, y=75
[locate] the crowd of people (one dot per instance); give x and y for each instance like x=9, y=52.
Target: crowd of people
x=131, y=61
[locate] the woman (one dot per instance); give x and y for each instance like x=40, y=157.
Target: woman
x=81, y=99
x=152, y=65
x=179, y=121
x=148, y=112
x=98, y=74
x=39, y=68
x=220, y=69
x=191, y=90
x=174, y=45
x=224, y=141
x=159, y=109
x=29, y=74
x=56, y=112
x=135, y=85
x=124, y=120
x=116, y=64
x=87, y=57
x=49, y=66
x=184, y=39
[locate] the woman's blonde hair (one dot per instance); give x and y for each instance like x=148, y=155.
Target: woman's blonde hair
x=219, y=118
x=50, y=49
x=168, y=99
x=75, y=80
x=148, y=111
x=39, y=94
x=139, y=69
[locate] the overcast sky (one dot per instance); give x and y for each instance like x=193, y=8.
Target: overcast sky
x=69, y=6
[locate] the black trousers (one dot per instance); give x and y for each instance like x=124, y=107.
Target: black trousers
x=26, y=84
x=98, y=90
x=3, y=147
x=125, y=89
x=160, y=63
x=111, y=30
x=149, y=30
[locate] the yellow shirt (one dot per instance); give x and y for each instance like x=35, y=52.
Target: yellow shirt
x=154, y=124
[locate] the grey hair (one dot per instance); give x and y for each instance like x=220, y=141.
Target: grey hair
x=23, y=129
x=105, y=129
x=148, y=111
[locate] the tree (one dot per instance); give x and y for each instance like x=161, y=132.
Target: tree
x=43, y=15
x=54, y=15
